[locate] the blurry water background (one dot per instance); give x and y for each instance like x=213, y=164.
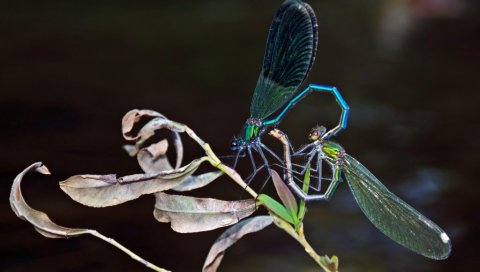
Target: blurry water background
x=69, y=71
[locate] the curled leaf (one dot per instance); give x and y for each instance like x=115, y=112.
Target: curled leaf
x=107, y=190
x=45, y=226
x=131, y=150
x=191, y=214
x=40, y=220
x=131, y=118
x=159, y=121
x=153, y=159
x=230, y=237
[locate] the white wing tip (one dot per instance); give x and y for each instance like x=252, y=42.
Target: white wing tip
x=444, y=237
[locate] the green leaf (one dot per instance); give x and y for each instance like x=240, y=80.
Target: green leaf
x=334, y=260
x=306, y=185
x=286, y=196
x=330, y=263
x=275, y=207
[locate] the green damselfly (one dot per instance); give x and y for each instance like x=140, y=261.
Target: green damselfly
x=390, y=214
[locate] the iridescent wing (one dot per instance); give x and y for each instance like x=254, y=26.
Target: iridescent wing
x=395, y=218
x=289, y=56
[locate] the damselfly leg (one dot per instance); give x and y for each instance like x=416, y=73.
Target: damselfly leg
x=314, y=149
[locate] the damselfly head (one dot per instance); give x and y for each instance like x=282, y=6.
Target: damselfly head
x=236, y=144
x=316, y=133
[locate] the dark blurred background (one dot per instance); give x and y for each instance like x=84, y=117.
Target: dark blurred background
x=69, y=71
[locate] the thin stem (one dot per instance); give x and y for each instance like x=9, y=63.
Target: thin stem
x=213, y=159
x=327, y=264
x=127, y=251
x=323, y=262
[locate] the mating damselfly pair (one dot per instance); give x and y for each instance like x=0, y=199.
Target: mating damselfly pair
x=289, y=56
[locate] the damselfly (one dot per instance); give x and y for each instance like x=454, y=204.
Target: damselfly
x=391, y=215
x=289, y=56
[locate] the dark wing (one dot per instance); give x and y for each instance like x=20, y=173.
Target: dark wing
x=395, y=218
x=289, y=56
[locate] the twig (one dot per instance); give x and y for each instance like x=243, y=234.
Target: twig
x=300, y=237
x=127, y=251
x=211, y=157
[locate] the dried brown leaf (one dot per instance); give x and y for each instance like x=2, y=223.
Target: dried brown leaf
x=45, y=226
x=131, y=118
x=40, y=220
x=130, y=149
x=195, y=182
x=191, y=214
x=230, y=237
x=107, y=190
x=159, y=121
x=153, y=159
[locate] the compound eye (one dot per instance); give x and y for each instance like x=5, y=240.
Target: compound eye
x=234, y=144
